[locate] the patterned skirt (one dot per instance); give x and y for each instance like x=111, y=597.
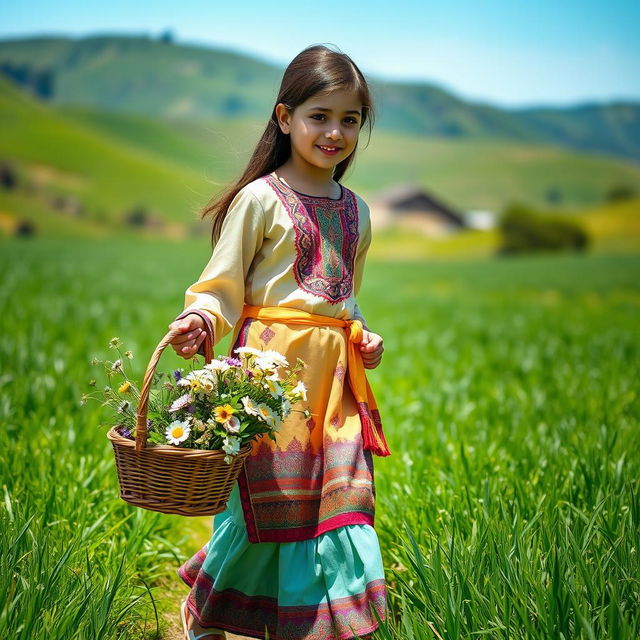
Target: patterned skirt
x=295, y=553
x=315, y=589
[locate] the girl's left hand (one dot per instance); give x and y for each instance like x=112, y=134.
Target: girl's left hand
x=371, y=349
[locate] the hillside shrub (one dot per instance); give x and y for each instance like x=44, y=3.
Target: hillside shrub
x=621, y=192
x=524, y=231
x=8, y=176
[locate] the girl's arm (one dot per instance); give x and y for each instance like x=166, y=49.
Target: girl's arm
x=361, y=255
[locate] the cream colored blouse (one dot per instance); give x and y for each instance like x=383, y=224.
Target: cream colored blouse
x=278, y=247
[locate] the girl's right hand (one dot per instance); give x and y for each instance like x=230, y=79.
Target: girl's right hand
x=191, y=336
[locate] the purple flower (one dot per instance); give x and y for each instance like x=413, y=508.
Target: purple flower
x=124, y=432
x=249, y=373
x=191, y=408
x=180, y=403
x=177, y=375
x=234, y=362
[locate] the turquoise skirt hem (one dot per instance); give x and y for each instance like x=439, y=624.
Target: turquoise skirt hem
x=296, y=590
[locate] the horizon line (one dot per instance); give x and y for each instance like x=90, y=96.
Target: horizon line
x=372, y=75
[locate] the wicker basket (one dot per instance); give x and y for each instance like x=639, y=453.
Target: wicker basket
x=169, y=479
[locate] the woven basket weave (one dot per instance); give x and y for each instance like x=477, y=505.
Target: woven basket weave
x=170, y=479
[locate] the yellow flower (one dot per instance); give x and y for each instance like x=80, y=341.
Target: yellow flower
x=224, y=412
x=125, y=387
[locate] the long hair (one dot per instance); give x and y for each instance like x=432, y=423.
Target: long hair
x=316, y=69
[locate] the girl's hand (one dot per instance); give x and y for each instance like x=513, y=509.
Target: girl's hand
x=371, y=349
x=191, y=336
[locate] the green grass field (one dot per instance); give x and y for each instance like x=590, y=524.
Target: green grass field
x=510, y=507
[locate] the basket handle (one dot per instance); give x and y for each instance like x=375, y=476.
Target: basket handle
x=141, y=420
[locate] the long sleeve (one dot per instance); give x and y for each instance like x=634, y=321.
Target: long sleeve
x=361, y=254
x=219, y=294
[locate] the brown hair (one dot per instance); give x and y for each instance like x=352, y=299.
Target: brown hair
x=316, y=69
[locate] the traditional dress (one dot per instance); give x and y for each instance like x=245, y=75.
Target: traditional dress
x=295, y=552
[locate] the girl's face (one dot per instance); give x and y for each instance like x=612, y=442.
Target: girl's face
x=324, y=130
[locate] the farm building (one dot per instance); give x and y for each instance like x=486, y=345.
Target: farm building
x=413, y=207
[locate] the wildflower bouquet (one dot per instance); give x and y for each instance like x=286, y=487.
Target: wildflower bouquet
x=222, y=406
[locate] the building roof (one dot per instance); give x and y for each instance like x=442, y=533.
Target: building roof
x=406, y=196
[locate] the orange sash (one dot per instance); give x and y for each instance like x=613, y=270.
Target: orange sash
x=373, y=437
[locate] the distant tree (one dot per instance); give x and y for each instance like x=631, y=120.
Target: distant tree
x=136, y=217
x=553, y=195
x=524, y=231
x=232, y=105
x=18, y=73
x=25, y=229
x=39, y=81
x=167, y=36
x=621, y=192
x=8, y=177
x=452, y=129
x=67, y=203
x=141, y=217
x=43, y=83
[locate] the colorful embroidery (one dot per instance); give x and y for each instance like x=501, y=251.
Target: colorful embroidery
x=267, y=334
x=326, y=240
x=243, y=614
x=340, y=371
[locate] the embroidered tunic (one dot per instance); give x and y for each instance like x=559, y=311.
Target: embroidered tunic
x=278, y=247
x=295, y=551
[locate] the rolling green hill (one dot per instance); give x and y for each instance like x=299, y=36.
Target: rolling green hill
x=56, y=154
x=155, y=78
x=109, y=163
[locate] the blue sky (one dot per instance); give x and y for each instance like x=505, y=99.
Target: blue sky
x=509, y=53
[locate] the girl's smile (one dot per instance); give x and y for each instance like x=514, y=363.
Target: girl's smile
x=323, y=131
x=331, y=151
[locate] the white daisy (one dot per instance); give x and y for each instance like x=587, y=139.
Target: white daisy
x=217, y=365
x=196, y=380
x=273, y=376
x=250, y=406
x=267, y=415
x=276, y=357
x=274, y=388
x=250, y=350
x=266, y=364
x=300, y=390
x=178, y=431
x=232, y=425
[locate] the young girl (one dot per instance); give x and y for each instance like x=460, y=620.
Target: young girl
x=295, y=553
